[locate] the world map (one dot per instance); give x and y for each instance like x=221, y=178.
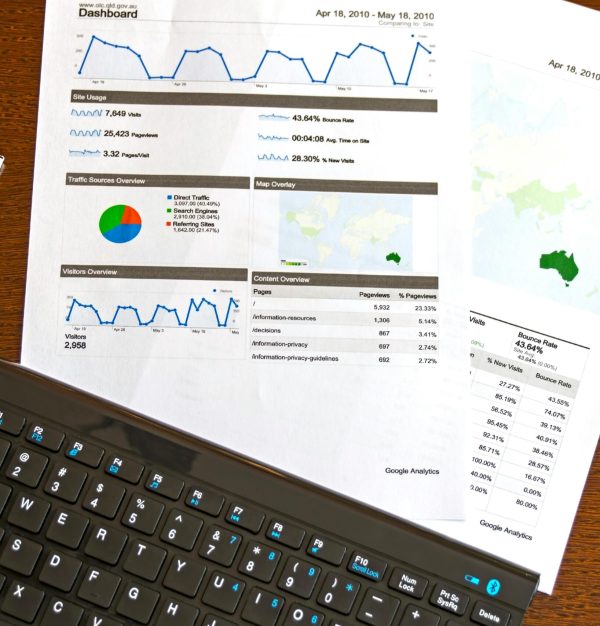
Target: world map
x=536, y=192
x=346, y=231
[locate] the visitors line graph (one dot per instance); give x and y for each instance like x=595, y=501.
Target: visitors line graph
x=210, y=64
x=182, y=321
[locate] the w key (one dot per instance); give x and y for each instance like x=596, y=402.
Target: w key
x=28, y=512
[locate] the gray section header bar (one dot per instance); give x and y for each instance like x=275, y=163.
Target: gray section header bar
x=145, y=180
x=349, y=186
x=408, y=105
x=344, y=280
x=153, y=272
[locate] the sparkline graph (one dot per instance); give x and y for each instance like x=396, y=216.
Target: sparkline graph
x=97, y=45
x=181, y=321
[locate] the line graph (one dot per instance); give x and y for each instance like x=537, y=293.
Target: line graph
x=217, y=68
x=273, y=117
x=85, y=133
x=272, y=138
x=84, y=153
x=182, y=321
x=86, y=112
x=272, y=157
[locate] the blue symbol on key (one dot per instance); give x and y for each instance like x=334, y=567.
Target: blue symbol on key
x=113, y=469
x=154, y=485
x=472, y=579
x=236, y=587
x=73, y=452
x=349, y=587
x=195, y=502
x=37, y=437
x=493, y=587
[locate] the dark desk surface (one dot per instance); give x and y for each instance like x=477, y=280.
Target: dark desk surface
x=576, y=600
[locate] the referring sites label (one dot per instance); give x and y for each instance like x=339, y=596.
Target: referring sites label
x=524, y=386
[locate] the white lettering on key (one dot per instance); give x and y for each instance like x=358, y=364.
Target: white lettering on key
x=101, y=534
x=181, y=565
x=133, y=593
x=219, y=580
x=26, y=503
x=54, y=561
x=172, y=609
x=18, y=591
x=57, y=607
x=141, y=548
x=62, y=518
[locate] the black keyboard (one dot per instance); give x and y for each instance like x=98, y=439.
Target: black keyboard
x=109, y=518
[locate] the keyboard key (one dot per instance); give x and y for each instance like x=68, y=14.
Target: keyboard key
x=20, y=555
x=326, y=549
x=181, y=529
x=220, y=545
x=5, y=492
x=185, y=575
x=145, y=560
x=299, y=577
x=125, y=469
x=143, y=513
x=408, y=583
x=449, y=599
x=26, y=467
x=167, y=486
x=28, y=512
x=416, y=616
x=286, y=533
x=99, y=587
x=367, y=566
x=60, y=570
x=259, y=561
x=84, y=452
x=104, y=498
x=138, y=603
x=489, y=615
x=65, y=482
x=338, y=593
x=262, y=607
x=176, y=613
x=62, y=613
x=246, y=517
x=4, y=448
x=67, y=528
x=204, y=500
x=214, y=620
x=223, y=592
x=22, y=601
x=95, y=619
x=11, y=423
x=377, y=608
x=106, y=544
x=46, y=437
x=300, y=615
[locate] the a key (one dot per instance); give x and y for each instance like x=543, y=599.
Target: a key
x=259, y=561
x=137, y=603
x=181, y=529
x=144, y=560
x=104, y=497
x=378, y=608
x=84, y=452
x=338, y=593
x=28, y=512
x=300, y=615
x=125, y=469
x=167, y=486
x=65, y=482
x=143, y=513
x=62, y=613
x=106, y=544
x=223, y=592
x=67, y=528
x=22, y=601
x=60, y=570
x=20, y=555
x=99, y=587
x=184, y=575
x=262, y=607
x=299, y=577
x=26, y=466
x=176, y=613
x=46, y=437
x=220, y=545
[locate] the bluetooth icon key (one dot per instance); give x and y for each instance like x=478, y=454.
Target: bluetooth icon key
x=493, y=587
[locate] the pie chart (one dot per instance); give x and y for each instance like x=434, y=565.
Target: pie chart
x=120, y=223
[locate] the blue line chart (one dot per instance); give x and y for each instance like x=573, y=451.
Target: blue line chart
x=86, y=112
x=209, y=50
x=273, y=117
x=85, y=133
x=273, y=157
x=272, y=138
x=182, y=322
x=84, y=153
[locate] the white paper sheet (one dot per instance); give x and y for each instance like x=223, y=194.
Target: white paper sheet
x=247, y=222
x=535, y=343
